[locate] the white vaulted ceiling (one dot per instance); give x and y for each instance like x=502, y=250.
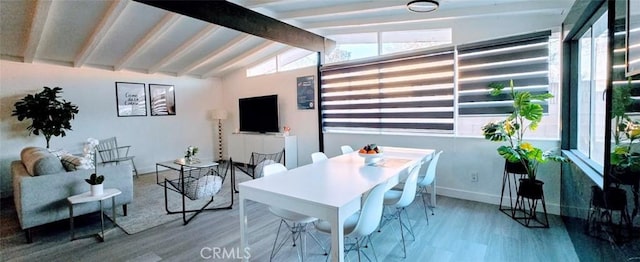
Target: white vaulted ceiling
x=127, y=35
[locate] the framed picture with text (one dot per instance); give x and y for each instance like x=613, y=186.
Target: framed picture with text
x=131, y=99
x=162, y=100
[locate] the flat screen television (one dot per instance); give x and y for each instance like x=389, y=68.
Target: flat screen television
x=259, y=114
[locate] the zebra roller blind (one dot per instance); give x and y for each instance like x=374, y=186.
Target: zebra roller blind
x=523, y=59
x=401, y=93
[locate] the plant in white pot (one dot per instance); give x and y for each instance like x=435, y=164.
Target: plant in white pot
x=96, y=184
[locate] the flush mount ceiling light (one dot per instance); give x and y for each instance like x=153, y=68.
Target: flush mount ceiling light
x=423, y=6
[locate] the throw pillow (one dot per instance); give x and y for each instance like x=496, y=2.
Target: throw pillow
x=72, y=163
x=205, y=186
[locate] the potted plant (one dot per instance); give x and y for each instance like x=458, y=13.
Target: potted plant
x=49, y=115
x=190, y=154
x=96, y=184
x=625, y=158
x=520, y=155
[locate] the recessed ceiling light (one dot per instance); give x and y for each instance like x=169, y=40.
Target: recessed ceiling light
x=423, y=6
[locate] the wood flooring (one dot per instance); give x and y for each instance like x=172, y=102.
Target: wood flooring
x=460, y=230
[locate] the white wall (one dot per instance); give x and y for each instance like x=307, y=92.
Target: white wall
x=303, y=123
x=153, y=138
x=461, y=157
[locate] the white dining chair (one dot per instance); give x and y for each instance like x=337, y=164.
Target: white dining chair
x=296, y=223
x=346, y=149
x=400, y=199
x=359, y=226
x=426, y=181
x=318, y=156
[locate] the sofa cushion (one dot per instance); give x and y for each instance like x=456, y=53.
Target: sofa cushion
x=39, y=161
x=72, y=163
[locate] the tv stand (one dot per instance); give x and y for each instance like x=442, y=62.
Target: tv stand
x=241, y=145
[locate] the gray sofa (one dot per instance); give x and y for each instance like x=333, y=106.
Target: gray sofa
x=41, y=186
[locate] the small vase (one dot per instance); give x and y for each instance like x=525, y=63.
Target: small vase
x=97, y=190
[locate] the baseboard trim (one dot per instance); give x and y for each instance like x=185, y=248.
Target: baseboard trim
x=552, y=208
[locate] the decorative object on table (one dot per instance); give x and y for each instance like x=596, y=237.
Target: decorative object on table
x=371, y=153
x=190, y=155
x=131, y=99
x=89, y=150
x=162, y=100
x=286, y=130
x=96, y=184
x=49, y=115
x=305, y=92
x=521, y=157
x=219, y=114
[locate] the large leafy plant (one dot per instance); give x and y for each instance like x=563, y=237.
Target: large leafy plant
x=49, y=114
x=625, y=131
x=526, y=115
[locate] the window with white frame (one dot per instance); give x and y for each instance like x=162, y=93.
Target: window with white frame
x=592, y=83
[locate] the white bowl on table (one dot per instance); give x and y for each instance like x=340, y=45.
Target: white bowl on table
x=371, y=158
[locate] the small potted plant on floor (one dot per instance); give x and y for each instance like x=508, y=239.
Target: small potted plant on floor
x=96, y=184
x=520, y=155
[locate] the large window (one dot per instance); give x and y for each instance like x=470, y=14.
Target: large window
x=592, y=73
x=421, y=92
x=399, y=94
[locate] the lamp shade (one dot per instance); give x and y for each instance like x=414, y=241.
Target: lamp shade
x=218, y=114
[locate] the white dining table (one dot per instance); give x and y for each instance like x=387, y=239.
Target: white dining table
x=329, y=190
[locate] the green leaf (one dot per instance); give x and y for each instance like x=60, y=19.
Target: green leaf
x=532, y=112
x=496, y=88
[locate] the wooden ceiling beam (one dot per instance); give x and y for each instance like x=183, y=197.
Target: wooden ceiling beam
x=108, y=19
x=145, y=42
x=238, y=59
x=236, y=17
x=184, y=48
x=36, y=29
x=215, y=54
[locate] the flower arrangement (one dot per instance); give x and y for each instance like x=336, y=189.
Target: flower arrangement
x=191, y=152
x=526, y=116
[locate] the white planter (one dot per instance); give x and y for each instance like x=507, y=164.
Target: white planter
x=97, y=190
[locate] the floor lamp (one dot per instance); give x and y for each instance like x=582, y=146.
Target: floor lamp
x=219, y=114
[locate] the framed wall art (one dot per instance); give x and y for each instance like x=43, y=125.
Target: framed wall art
x=131, y=99
x=162, y=100
x=305, y=92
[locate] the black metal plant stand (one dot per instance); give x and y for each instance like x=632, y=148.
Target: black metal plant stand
x=530, y=197
x=601, y=217
x=512, y=173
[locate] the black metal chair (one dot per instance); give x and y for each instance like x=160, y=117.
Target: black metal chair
x=258, y=161
x=197, y=182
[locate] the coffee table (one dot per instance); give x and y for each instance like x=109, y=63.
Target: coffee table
x=181, y=166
